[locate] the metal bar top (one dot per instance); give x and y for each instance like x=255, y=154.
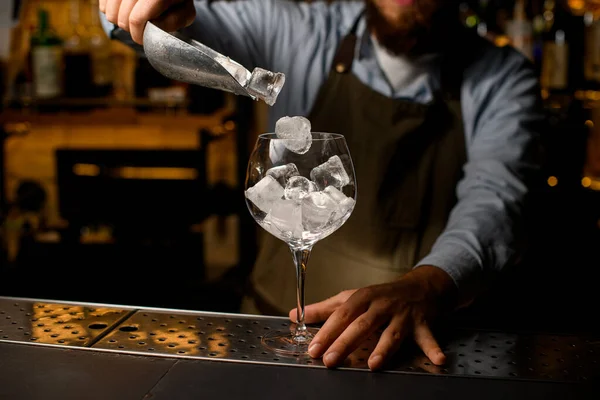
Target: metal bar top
x=235, y=340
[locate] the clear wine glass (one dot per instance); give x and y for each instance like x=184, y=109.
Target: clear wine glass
x=300, y=192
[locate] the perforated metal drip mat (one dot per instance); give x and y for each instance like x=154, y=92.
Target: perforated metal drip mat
x=237, y=338
x=561, y=358
x=56, y=324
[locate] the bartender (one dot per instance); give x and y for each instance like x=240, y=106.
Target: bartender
x=442, y=127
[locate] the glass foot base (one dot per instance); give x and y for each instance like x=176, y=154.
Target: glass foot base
x=283, y=342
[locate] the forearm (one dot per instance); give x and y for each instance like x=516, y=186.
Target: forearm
x=235, y=29
x=480, y=241
x=485, y=233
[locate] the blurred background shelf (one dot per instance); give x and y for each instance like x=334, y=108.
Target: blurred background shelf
x=121, y=113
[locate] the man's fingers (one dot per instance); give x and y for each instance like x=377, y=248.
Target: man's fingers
x=352, y=337
x=145, y=11
x=124, y=12
x=337, y=323
x=389, y=342
x=112, y=10
x=102, y=5
x=319, y=312
x=424, y=338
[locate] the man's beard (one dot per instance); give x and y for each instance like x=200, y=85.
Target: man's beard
x=426, y=26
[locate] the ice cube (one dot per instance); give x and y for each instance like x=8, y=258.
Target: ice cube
x=266, y=85
x=331, y=173
x=296, y=133
x=346, y=206
x=335, y=194
x=265, y=193
x=317, y=211
x=283, y=173
x=241, y=74
x=286, y=216
x=345, y=203
x=298, y=187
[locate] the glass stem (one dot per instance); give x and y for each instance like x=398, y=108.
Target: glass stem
x=301, y=257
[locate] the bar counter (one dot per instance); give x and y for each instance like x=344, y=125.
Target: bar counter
x=66, y=350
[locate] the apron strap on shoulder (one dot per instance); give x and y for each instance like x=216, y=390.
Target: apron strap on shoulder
x=344, y=57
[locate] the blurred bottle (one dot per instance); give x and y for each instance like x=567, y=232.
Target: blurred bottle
x=78, y=62
x=592, y=51
x=520, y=30
x=555, y=59
x=592, y=166
x=21, y=88
x=46, y=60
x=25, y=218
x=100, y=50
x=540, y=27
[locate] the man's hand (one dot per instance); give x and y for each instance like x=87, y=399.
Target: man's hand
x=132, y=15
x=406, y=307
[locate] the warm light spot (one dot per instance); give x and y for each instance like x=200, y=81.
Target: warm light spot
x=586, y=182
x=576, y=6
x=552, y=181
x=589, y=124
x=167, y=340
x=218, y=130
x=595, y=185
x=156, y=173
x=229, y=125
x=545, y=94
x=86, y=170
x=502, y=41
x=18, y=128
x=47, y=329
x=592, y=95
x=220, y=344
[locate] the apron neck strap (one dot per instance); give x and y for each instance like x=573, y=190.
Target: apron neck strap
x=342, y=63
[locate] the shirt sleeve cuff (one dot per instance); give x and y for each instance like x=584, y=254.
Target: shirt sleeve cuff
x=463, y=267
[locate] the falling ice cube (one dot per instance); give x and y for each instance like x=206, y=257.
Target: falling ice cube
x=286, y=217
x=266, y=85
x=295, y=132
x=318, y=209
x=283, y=173
x=298, y=187
x=345, y=204
x=331, y=173
x=265, y=193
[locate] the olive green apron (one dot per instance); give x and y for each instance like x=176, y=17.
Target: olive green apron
x=408, y=159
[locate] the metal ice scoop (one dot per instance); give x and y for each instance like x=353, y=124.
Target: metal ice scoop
x=183, y=59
